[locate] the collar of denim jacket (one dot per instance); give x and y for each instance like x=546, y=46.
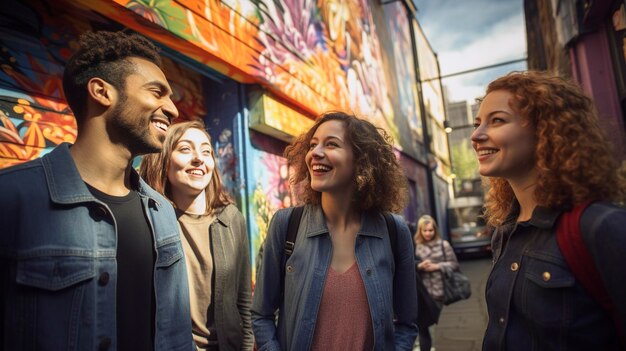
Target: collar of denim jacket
x=372, y=223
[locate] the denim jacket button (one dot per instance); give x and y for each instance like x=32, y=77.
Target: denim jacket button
x=514, y=266
x=501, y=320
x=104, y=279
x=289, y=269
x=368, y=271
x=546, y=276
x=105, y=343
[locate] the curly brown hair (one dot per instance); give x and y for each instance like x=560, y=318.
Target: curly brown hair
x=574, y=159
x=381, y=185
x=153, y=168
x=103, y=54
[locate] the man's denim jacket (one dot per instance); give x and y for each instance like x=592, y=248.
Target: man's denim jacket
x=58, y=262
x=392, y=297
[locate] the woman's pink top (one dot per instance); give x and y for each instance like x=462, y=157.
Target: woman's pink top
x=343, y=320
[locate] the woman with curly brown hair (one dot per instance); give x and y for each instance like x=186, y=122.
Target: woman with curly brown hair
x=543, y=155
x=341, y=288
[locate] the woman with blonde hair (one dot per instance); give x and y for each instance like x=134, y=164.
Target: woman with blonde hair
x=551, y=173
x=214, y=237
x=433, y=256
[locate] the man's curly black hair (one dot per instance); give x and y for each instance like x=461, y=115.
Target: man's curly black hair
x=103, y=54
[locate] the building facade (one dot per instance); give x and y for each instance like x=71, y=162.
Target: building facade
x=258, y=72
x=584, y=40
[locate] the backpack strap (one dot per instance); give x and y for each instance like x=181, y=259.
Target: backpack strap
x=290, y=242
x=292, y=230
x=579, y=259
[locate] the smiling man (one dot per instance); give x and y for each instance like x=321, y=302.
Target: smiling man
x=90, y=256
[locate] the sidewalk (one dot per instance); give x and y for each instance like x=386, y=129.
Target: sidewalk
x=462, y=325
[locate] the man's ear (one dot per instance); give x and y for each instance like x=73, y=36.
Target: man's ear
x=101, y=92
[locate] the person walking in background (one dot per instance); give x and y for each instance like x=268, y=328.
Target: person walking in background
x=433, y=255
x=341, y=288
x=214, y=237
x=90, y=256
x=544, y=159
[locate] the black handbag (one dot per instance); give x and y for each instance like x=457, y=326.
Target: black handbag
x=428, y=310
x=456, y=286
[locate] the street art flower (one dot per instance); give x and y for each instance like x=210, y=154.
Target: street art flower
x=162, y=13
x=263, y=214
x=290, y=39
x=277, y=182
x=13, y=148
x=41, y=124
x=271, y=192
x=38, y=128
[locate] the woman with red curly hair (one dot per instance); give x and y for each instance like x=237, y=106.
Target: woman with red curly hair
x=541, y=152
x=341, y=288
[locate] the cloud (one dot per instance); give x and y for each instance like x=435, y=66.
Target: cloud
x=473, y=34
x=469, y=86
x=506, y=41
x=454, y=22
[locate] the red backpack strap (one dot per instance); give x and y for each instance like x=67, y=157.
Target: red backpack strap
x=580, y=261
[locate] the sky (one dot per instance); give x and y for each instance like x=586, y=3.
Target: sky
x=468, y=34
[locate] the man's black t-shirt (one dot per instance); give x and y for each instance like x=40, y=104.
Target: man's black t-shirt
x=135, y=268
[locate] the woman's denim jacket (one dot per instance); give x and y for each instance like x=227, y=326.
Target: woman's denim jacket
x=392, y=297
x=533, y=300
x=58, y=262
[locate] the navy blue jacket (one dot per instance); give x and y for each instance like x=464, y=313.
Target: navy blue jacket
x=534, y=301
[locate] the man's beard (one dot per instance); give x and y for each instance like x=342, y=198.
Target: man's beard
x=130, y=131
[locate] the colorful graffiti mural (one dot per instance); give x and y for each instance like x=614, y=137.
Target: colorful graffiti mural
x=268, y=191
x=314, y=55
x=402, y=73
x=34, y=117
x=318, y=54
x=33, y=114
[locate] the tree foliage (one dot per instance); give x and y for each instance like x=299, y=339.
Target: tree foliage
x=464, y=161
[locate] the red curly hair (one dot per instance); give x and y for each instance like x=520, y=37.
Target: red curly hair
x=381, y=185
x=574, y=159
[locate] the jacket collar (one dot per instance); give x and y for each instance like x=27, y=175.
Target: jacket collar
x=542, y=217
x=64, y=182
x=66, y=185
x=225, y=215
x=372, y=223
